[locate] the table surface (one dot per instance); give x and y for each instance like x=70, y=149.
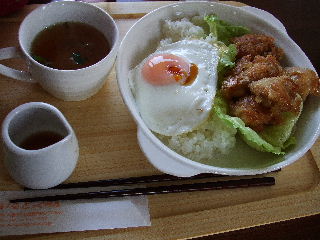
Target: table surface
x=302, y=22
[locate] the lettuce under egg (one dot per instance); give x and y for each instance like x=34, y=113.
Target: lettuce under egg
x=223, y=31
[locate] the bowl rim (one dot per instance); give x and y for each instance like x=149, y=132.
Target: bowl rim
x=171, y=153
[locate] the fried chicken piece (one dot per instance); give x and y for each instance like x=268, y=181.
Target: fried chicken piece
x=270, y=97
x=279, y=94
x=247, y=70
x=306, y=81
x=253, y=114
x=257, y=44
x=259, y=90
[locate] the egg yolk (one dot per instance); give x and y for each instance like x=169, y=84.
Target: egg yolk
x=165, y=69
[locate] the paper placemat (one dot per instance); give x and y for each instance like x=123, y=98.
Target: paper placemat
x=67, y=216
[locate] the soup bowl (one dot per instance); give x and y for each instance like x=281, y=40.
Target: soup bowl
x=142, y=39
x=68, y=85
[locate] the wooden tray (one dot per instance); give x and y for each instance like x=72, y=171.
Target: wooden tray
x=109, y=149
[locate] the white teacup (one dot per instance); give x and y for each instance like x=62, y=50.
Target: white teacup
x=69, y=85
x=41, y=148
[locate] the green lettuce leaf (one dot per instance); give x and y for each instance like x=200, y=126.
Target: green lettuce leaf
x=280, y=135
x=227, y=59
x=199, y=21
x=223, y=30
x=273, y=139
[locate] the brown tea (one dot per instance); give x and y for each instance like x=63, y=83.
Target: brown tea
x=69, y=45
x=40, y=140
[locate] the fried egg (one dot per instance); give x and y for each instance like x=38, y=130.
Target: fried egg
x=175, y=86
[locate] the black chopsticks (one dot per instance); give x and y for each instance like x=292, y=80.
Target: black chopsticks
x=228, y=184
x=133, y=180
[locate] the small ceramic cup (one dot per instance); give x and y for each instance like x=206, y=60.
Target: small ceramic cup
x=41, y=148
x=68, y=85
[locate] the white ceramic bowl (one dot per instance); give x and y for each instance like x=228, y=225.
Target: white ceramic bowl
x=142, y=39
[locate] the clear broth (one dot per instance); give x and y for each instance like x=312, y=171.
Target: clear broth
x=69, y=45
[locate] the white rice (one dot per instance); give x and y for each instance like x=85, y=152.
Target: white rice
x=213, y=137
x=210, y=140
x=182, y=29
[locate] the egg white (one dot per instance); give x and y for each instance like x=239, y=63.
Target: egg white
x=175, y=109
